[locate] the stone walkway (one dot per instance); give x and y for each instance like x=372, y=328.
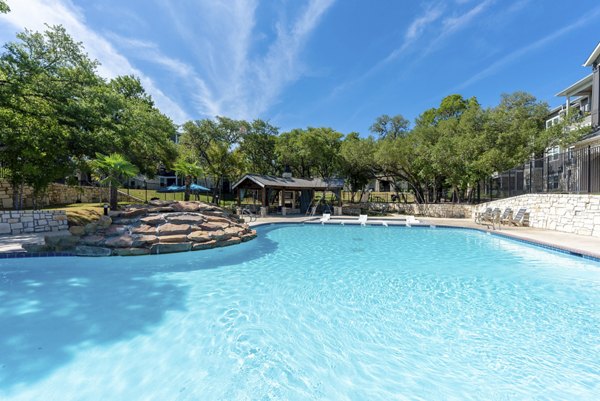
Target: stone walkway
x=585, y=245
x=13, y=243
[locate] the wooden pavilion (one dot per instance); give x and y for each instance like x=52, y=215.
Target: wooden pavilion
x=285, y=195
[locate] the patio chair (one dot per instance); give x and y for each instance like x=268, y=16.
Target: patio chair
x=326, y=217
x=492, y=218
x=412, y=220
x=506, y=216
x=362, y=219
x=521, y=219
x=480, y=216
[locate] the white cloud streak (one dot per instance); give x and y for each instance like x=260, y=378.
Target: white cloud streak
x=590, y=17
x=34, y=14
x=232, y=80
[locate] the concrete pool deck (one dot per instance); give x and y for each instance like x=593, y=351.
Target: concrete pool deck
x=584, y=245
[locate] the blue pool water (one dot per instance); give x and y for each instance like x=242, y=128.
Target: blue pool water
x=306, y=312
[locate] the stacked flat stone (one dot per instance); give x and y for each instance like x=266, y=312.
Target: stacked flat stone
x=157, y=228
x=32, y=221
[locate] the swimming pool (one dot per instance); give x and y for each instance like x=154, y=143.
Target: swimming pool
x=306, y=312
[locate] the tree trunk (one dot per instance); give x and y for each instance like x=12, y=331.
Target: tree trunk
x=114, y=197
x=15, y=196
x=188, y=182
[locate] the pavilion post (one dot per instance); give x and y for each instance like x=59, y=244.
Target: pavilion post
x=264, y=197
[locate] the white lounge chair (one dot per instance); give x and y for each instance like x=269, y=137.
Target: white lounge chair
x=411, y=220
x=362, y=219
x=326, y=217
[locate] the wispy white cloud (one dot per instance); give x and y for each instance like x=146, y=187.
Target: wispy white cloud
x=430, y=20
x=34, y=14
x=590, y=17
x=235, y=80
x=420, y=23
x=453, y=24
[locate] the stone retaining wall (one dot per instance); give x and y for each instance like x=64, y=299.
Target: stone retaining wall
x=577, y=214
x=58, y=194
x=32, y=221
x=444, y=210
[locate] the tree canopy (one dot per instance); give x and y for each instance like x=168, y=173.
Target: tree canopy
x=56, y=112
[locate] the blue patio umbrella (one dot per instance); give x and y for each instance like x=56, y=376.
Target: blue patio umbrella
x=172, y=188
x=197, y=188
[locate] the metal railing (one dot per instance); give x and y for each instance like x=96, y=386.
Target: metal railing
x=574, y=171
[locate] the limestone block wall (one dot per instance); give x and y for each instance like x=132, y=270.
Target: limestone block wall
x=444, y=210
x=32, y=221
x=58, y=194
x=577, y=214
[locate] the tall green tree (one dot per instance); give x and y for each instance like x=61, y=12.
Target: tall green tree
x=313, y=152
x=357, y=164
x=515, y=131
x=138, y=129
x=390, y=127
x=48, y=116
x=257, y=148
x=213, y=144
x=189, y=170
x=112, y=170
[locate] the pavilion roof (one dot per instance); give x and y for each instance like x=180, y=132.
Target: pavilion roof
x=269, y=181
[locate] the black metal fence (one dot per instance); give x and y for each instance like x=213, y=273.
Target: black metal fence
x=574, y=171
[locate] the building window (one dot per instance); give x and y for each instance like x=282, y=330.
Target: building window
x=553, y=181
x=553, y=153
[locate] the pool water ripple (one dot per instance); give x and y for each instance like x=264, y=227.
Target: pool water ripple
x=316, y=313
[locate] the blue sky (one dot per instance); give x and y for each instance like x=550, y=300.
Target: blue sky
x=335, y=63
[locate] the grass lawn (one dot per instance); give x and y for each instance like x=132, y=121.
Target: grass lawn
x=79, y=214
x=141, y=194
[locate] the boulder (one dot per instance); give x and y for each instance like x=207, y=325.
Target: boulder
x=248, y=236
x=213, y=226
x=234, y=231
x=159, y=203
x=116, y=229
x=228, y=242
x=186, y=219
x=174, y=229
x=153, y=220
x=91, y=228
x=143, y=240
x=218, y=220
x=104, y=222
x=204, y=245
x=131, y=213
x=220, y=235
x=122, y=241
x=199, y=236
x=161, y=209
x=130, y=251
x=205, y=206
x=60, y=242
x=77, y=230
x=35, y=248
x=158, y=249
x=172, y=238
x=185, y=206
x=86, y=250
x=93, y=240
x=144, y=229
x=126, y=222
x=213, y=212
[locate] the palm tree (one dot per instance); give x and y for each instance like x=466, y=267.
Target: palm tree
x=112, y=170
x=189, y=170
